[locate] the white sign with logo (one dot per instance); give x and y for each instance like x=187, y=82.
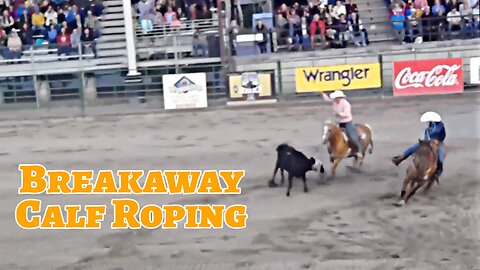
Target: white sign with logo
x=475, y=70
x=185, y=91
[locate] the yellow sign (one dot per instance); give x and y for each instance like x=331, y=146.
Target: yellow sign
x=251, y=86
x=342, y=77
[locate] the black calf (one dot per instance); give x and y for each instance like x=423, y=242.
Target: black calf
x=296, y=164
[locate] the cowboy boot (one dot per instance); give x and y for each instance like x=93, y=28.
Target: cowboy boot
x=398, y=159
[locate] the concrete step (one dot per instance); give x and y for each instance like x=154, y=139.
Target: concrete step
x=113, y=23
x=112, y=60
x=111, y=37
x=112, y=3
x=112, y=52
x=114, y=30
x=113, y=16
x=115, y=8
x=112, y=45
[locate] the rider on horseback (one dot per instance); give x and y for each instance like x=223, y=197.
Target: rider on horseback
x=434, y=131
x=343, y=112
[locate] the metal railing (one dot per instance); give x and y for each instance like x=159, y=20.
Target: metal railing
x=169, y=42
x=290, y=37
x=49, y=52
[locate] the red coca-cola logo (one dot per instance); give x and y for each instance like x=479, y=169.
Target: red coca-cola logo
x=438, y=76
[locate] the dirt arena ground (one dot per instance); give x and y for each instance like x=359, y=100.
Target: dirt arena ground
x=345, y=223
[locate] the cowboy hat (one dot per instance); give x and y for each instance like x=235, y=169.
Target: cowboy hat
x=430, y=117
x=337, y=94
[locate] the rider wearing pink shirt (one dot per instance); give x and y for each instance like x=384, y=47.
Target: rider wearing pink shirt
x=343, y=112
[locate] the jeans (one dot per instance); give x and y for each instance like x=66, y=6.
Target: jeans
x=441, y=153
x=263, y=47
x=352, y=134
x=200, y=47
x=363, y=39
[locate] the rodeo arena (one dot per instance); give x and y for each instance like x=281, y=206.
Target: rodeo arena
x=356, y=122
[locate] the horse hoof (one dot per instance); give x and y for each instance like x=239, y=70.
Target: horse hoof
x=400, y=203
x=288, y=194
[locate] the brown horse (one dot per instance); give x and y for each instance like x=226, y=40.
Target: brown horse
x=421, y=170
x=339, y=147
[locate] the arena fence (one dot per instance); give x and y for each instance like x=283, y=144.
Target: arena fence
x=91, y=90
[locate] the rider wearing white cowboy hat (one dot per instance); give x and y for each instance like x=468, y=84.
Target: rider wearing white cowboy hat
x=434, y=131
x=342, y=110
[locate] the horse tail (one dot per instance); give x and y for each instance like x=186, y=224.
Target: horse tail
x=371, y=140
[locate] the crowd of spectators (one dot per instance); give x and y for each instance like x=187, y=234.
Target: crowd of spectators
x=335, y=24
x=151, y=13
x=430, y=20
x=58, y=23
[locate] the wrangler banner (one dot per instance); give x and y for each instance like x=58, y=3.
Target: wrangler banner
x=341, y=77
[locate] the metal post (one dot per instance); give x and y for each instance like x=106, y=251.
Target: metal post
x=35, y=81
x=221, y=35
x=130, y=39
x=279, y=76
x=380, y=61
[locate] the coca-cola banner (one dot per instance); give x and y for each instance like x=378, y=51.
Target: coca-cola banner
x=428, y=77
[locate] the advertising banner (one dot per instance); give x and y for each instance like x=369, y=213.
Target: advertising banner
x=251, y=87
x=475, y=70
x=340, y=77
x=428, y=77
x=185, y=91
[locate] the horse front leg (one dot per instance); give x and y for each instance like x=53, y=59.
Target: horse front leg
x=406, y=182
x=335, y=164
x=417, y=186
x=283, y=177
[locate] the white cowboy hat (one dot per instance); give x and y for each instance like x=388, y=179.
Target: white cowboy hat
x=337, y=94
x=430, y=117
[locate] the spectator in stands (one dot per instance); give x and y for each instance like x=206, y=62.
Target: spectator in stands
x=88, y=41
x=38, y=21
x=440, y=25
x=3, y=39
x=338, y=10
x=169, y=15
x=352, y=7
x=358, y=33
x=323, y=13
x=23, y=19
x=295, y=27
x=7, y=21
x=317, y=30
x=4, y=4
x=26, y=35
x=454, y=21
x=71, y=17
x=420, y=4
x=61, y=17
x=63, y=41
x=52, y=33
x=233, y=31
x=176, y=22
x=75, y=39
x=427, y=20
x=467, y=15
x=97, y=8
x=146, y=15
x=437, y=8
x=93, y=23
x=452, y=4
x=58, y=3
x=330, y=32
x=14, y=45
x=260, y=28
x=413, y=25
x=200, y=44
x=398, y=21
x=343, y=31
x=20, y=10
x=51, y=16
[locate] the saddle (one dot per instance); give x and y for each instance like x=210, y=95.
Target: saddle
x=347, y=140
